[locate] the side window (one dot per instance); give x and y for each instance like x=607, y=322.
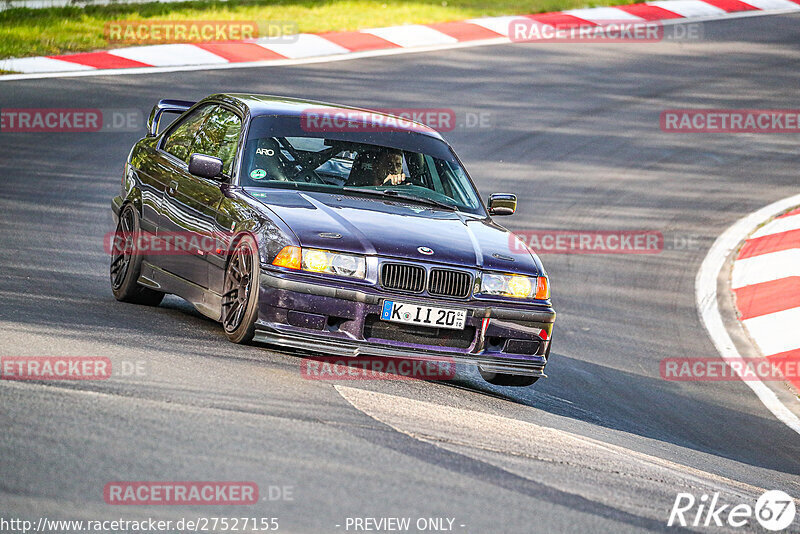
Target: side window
x=219, y=136
x=179, y=141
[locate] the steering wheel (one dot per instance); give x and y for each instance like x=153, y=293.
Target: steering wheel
x=388, y=181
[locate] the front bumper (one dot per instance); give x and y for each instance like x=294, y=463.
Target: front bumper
x=312, y=316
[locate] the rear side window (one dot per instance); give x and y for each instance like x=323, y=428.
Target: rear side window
x=219, y=137
x=179, y=141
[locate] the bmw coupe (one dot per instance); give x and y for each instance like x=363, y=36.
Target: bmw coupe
x=329, y=229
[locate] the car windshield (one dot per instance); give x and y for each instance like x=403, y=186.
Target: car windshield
x=335, y=165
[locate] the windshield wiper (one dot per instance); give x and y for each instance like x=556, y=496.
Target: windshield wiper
x=424, y=200
x=393, y=193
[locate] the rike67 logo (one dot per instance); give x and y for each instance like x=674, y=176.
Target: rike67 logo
x=774, y=510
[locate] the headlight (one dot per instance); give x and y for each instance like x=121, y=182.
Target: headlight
x=516, y=286
x=321, y=261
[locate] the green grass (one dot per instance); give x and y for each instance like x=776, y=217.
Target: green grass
x=35, y=32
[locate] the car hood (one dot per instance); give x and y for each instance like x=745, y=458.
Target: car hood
x=396, y=229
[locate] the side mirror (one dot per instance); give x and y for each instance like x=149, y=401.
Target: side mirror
x=502, y=204
x=205, y=166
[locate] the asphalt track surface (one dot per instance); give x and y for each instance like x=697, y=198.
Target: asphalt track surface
x=604, y=444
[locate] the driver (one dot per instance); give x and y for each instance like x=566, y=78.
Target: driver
x=389, y=166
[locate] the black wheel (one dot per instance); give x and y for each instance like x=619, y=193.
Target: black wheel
x=240, y=292
x=126, y=264
x=503, y=379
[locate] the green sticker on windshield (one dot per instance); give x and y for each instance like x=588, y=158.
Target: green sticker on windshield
x=257, y=174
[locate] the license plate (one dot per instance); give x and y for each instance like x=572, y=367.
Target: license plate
x=403, y=312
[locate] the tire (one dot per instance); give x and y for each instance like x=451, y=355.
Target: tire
x=240, y=291
x=504, y=379
x=126, y=266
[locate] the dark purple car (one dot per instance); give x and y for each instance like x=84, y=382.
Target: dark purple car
x=328, y=229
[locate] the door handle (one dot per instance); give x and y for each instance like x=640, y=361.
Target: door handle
x=173, y=186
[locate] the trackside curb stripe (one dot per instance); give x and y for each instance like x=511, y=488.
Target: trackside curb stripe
x=766, y=282
x=708, y=307
x=412, y=36
x=765, y=267
x=770, y=243
x=776, y=332
x=769, y=297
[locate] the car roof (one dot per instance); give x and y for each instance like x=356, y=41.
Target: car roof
x=259, y=105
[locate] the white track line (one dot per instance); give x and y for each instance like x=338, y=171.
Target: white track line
x=42, y=65
x=775, y=332
x=307, y=45
x=498, y=24
x=602, y=15
x=778, y=226
x=469, y=431
x=412, y=35
x=708, y=308
x=689, y=8
x=766, y=268
x=168, y=55
x=773, y=4
x=350, y=56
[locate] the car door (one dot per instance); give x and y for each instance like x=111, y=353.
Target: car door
x=190, y=203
